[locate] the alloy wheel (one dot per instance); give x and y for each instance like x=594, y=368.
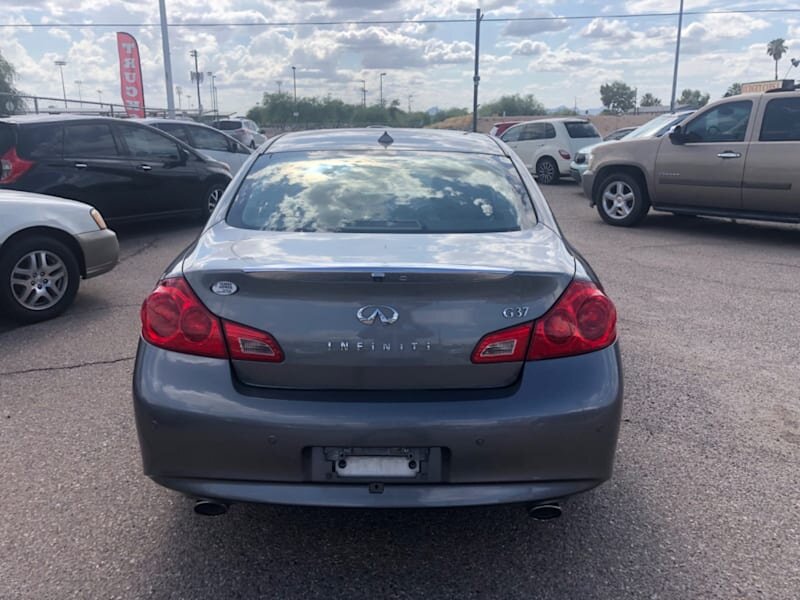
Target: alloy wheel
x=39, y=280
x=546, y=172
x=213, y=198
x=618, y=200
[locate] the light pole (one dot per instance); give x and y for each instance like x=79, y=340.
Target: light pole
x=61, y=64
x=167, y=58
x=382, y=76
x=409, y=102
x=280, y=83
x=100, y=98
x=677, y=58
x=211, y=77
x=179, y=91
x=197, y=77
x=78, y=82
x=294, y=85
x=363, y=92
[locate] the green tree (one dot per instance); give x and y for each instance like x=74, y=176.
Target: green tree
x=514, y=105
x=776, y=49
x=733, y=90
x=8, y=97
x=618, y=96
x=277, y=110
x=694, y=98
x=649, y=99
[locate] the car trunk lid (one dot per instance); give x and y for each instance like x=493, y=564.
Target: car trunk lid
x=379, y=311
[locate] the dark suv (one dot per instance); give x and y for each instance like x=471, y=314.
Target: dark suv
x=126, y=170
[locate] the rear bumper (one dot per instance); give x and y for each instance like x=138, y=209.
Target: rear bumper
x=552, y=435
x=100, y=251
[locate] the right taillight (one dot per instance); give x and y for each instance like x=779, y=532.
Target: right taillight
x=12, y=167
x=582, y=320
x=174, y=318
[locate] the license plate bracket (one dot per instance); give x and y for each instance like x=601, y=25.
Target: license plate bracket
x=376, y=464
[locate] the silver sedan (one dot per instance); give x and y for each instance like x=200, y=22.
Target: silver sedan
x=47, y=245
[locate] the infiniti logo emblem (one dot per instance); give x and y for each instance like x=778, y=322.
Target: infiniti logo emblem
x=385, y=314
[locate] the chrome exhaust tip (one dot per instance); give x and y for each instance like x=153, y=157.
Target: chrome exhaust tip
x=546, y=511
x=210, y=508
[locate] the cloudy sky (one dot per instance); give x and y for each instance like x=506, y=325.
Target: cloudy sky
x=560, y=60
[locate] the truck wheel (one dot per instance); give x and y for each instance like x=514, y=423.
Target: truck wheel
x=39, y=277
x=621, y=201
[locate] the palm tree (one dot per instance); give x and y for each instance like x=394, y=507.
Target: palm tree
x=776, y=49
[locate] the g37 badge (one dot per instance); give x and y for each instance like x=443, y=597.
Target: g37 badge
x=515, y=312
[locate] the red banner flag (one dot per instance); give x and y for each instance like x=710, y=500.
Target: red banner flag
x=130, y=75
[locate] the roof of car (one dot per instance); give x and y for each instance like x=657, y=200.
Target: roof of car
x=149, y=120
x=49, y=118
x=435, y=140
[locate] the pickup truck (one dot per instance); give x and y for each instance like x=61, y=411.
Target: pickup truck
x=736, y=158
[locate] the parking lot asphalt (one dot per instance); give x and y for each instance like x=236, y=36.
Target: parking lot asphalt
x=704, y=503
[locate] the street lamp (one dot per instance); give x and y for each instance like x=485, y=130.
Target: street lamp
x=78, y=82
x=179, y=91
x=363, y=92
x=61, y=64
x=294, y=85
x=212, y=77
x=382, y=76
x=197, y=77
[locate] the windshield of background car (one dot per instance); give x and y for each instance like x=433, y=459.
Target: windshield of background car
x=656, y=127
x=371, y=192
x=228, y=125
x=579, y=129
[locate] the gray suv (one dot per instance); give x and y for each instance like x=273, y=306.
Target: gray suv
x=734, y=158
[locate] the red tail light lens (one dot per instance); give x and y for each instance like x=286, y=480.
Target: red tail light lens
x=506, y=345
x=583, y=320
x=12, y=167
x=564, y=154
x=174, y=318
x=245, y=343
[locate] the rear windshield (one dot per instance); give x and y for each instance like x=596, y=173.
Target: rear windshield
x=228, y=125
x=394, y=192
x=579, y=129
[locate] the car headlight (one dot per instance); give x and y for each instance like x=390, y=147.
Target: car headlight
x=98, y=218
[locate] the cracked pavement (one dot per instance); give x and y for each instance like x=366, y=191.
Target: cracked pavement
x=704, y=502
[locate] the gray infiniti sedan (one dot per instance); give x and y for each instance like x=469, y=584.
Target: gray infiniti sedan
x=379, y=319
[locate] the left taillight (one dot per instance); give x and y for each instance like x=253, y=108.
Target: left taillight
x=173, y=318
x=582, y=320
x=12, y=167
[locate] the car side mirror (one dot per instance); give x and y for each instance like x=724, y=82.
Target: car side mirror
x=676, y=135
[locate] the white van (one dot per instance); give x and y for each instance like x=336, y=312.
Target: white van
x=547, y=146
